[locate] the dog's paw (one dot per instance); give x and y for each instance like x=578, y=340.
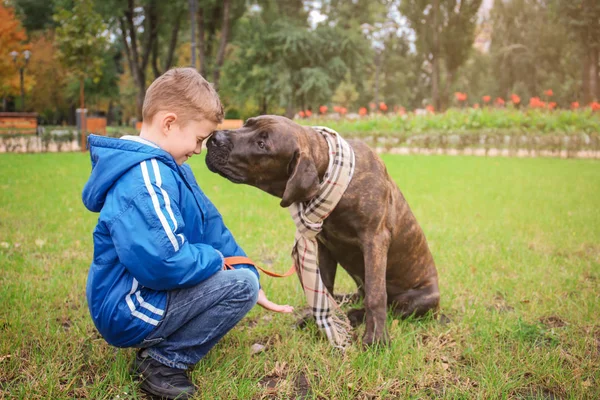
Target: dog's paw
x=305, y=317
x=371, y=339
x=356, y=317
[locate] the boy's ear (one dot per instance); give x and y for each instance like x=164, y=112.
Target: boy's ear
x=167, y=122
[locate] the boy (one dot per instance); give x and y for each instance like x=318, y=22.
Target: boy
x=157, y=281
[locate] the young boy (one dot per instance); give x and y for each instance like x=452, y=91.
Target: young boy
x=157, y=281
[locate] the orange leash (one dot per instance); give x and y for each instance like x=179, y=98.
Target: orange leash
x=231, y=261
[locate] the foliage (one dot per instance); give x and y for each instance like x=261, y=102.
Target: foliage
x=80, y=40
x=284, y=63
x=346, y=94
x=12, y=38
x=49, y=101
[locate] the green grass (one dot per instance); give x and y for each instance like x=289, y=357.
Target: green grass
x=516, y=242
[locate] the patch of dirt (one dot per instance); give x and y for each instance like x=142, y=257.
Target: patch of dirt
x=587, y=251
x=435, y=386
x=301, y=387
x=553, y=321
x=535, y=392
x=273, y=381
x=65, y=322
x=500, y=305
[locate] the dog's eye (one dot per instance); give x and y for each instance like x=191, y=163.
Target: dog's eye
x=261, y=144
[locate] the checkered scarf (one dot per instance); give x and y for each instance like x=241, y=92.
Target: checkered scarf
x=309, y=217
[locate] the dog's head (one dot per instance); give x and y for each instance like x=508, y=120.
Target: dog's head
x=269, y=152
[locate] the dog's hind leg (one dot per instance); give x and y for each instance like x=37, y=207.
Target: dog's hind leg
x=416, y=302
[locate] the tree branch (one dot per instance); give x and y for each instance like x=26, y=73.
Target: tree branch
x=173, y=42
x=223, y=44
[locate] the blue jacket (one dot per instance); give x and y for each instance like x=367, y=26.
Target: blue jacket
x=156, y=232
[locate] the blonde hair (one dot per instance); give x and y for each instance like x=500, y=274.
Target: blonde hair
x=186, y=93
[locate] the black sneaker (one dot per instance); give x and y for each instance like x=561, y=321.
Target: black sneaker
x=160, y=380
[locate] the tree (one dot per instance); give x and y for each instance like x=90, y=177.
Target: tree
x=444, y=30
x=457, y=37
x=532, y=51
x=345, y=94
x=36, y=15
x=215, y=20
x=80, y=40
x=149, y=31
x=50, y=76
x=583, y=19
x=12, y=37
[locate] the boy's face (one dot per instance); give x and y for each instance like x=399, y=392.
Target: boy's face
x=184, y=140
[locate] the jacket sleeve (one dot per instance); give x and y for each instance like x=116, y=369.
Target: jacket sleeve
x=225, y=242
x=149, y=242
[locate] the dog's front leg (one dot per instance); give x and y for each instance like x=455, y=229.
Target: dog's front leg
x=375, y=251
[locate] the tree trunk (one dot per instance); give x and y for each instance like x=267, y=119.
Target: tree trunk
x=585, y=81
x=223, y=44
x=193, y=4
x=593, y=71
x=377, y=77
x=263, y=106
x=109, y=113
x=136, y=63
x=450, y=76
x=83, y=119
x=435, y=77
x=201, y=55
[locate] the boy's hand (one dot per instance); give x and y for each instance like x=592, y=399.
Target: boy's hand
x=269, y=305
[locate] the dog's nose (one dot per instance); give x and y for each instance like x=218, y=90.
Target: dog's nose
x=218, y=139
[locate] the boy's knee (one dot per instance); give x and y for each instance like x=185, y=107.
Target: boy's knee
x=248, y=279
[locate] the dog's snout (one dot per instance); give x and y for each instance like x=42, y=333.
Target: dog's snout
x=218, y=139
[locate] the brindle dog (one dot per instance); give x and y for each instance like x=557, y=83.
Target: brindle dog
x=372, y=232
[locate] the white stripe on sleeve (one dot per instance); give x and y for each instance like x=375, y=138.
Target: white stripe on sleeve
x=157, y=208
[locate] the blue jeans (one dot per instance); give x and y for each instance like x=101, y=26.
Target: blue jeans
x=198, y=317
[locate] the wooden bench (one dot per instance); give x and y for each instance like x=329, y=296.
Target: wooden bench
x=16, y=123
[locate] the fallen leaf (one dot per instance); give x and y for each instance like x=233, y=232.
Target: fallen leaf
x=40, y=242
x=4, y=245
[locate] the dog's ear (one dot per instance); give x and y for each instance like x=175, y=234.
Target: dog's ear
x=303, y=183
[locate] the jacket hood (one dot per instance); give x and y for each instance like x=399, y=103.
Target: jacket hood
x=111, y=158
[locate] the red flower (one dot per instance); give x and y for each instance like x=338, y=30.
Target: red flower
x=515, y=99
x=308, y=113
x=343, y=110
x=430, y=108
x=595, y=106
x=336, y=109
x=362, y=111
x=548, y=92
x=535, y=102
x=486, y=99
x=401, y=110
x=476, y=105
x=460, y=96
x=383, y=106
x=301, y=114
x=323, y=109
x=552, y=105
x=499, y=101
x=372, y=106
x=574, y=105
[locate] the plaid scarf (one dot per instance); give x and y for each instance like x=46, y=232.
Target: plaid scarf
x=309, y=217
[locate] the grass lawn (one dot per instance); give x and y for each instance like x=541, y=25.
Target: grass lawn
x=516, y=242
